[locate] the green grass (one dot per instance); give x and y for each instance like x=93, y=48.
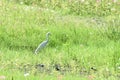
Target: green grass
x=77, y=43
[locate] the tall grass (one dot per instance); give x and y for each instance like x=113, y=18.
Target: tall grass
x=78, y=7
x=80, y=45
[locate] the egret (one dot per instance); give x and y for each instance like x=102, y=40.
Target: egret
x=43, y=44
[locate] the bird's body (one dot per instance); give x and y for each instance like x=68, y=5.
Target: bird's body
x=43, y=44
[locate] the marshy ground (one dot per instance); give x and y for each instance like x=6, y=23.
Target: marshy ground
x=84, y=43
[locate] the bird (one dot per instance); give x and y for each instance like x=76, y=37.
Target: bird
x=43, y=44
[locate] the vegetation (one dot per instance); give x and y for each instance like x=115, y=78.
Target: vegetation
x=84, y=42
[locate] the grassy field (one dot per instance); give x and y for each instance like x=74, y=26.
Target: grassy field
x=84, y=43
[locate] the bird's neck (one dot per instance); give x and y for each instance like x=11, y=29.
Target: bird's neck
x=47, y=38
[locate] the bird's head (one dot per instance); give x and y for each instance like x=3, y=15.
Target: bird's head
x=48, y=34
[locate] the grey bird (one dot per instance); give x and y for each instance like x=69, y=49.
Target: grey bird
x=43, y=44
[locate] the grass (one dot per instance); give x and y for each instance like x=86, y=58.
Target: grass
x=83, y=47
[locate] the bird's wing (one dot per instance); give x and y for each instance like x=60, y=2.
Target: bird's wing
x=41, y=45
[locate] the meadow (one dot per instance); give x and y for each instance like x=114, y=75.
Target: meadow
x=84, y=43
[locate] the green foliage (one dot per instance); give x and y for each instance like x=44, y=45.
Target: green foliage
x=83, y=46
x=78, y=7
x=113, y=31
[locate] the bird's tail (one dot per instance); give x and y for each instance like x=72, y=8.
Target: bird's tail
x=37, y=50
